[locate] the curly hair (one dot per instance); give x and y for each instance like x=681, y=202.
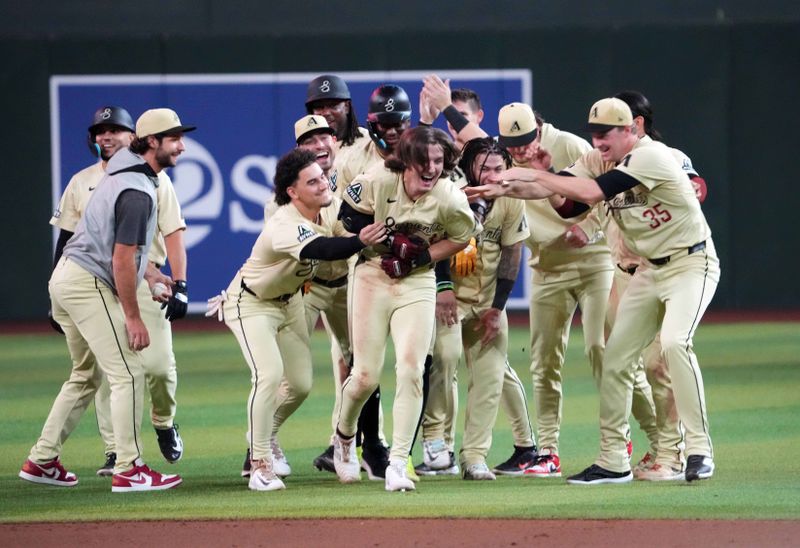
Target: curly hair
x=413, y=149
x=288, y=170
x=473, y=149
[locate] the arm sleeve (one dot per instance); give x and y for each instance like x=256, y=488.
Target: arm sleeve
x=615, y=182
x=130, y=217
x=63, y=238
x=352, y=220
x=501, y=293
x=331, y=249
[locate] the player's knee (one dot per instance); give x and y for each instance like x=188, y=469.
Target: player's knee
x=674, y=346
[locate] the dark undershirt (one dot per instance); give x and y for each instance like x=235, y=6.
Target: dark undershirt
x=331, y=249
x=131, y=213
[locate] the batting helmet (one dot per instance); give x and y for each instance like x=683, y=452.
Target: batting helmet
x=108, y=116
x=389, y=104
x=327, y=86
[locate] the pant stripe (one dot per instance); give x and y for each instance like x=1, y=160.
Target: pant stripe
x=255, y=369
x=518, y=384
x=122, y=355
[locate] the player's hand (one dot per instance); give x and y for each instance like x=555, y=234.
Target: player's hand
x=490, y=323
x=490, y=191
x=372, y=234
x=395, y=267
x=447, y=307
x=463, y=263
x=138, y=337
x=178, y=303
x=53, y=323
x=427, y=111
x=438, y=90
x=215, y=304
x=405, y=247
x=576, y=237
x=521, y=174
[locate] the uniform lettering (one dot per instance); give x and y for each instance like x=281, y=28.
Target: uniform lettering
x=657, y=215
x=304, y=233
x=354, y=191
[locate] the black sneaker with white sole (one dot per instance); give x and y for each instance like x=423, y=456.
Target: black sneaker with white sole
x=324, y=462
x=108, y=467
x=595, y=475
x=522, y=458
x=699, y=467
x=170, y=443
x=374, y=460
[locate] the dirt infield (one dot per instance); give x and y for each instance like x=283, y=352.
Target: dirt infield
x=405, y=532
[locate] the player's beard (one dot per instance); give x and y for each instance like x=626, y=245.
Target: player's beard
x=165, y=159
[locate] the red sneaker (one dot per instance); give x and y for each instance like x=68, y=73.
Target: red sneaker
x=142, y=478
x=546, y=466
x=49, y=473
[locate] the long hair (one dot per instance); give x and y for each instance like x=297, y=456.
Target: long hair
x=640, y=106
x=413, y=149
x=473, y=149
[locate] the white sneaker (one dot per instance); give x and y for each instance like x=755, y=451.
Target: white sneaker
x=435, y=454
x=279, y=463
x=345, y=460
x=478, y=471
x=263, y=478
x=396, y=477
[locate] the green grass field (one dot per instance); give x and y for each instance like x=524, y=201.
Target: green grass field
x=752, y=376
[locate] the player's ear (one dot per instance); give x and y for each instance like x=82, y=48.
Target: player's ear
x=480, y=116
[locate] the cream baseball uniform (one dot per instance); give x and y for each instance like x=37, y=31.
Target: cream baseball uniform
x=563, y=278
x=343, y=154
x=265, y=312
x=505, y=225
x=361, y=157
x=659, y=219
x=404, y=307
x=158, y=358
x=86, y=306
x=668, y=450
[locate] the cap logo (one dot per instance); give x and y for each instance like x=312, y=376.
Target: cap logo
x=594, y=112
x=515, y=127
x=312, y=122
x=106, y=114
x=325, y=87
x=389, y=107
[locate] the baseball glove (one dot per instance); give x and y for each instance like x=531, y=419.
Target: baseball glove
x=463, y=263
x=406, y=247
x=395, y=267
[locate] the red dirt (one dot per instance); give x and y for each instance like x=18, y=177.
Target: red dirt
x=405, y=532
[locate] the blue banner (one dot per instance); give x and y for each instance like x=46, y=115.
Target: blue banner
x=245, y=123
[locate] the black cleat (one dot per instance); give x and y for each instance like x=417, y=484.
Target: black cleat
x=170, y=443
x=246, y=465
x=374, y=460
x=108, y=468
x=522, y=458
x=324, y=462
x=699, y=467
x=595, y=475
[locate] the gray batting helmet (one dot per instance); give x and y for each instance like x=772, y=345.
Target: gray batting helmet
x=111, y=116
x=327, y=86
x=389, y=104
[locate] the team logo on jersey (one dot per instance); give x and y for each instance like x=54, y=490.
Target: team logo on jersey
x=389, y=107
x=325, y=87
x=354, y=191
x=687, y=165
x=627, y=200
x=304, y=233
x=57, y=213
x=332, y=181
x=523, y=224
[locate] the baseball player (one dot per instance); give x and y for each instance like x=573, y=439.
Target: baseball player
x=658, y=213
x=666, y=461
x=482, y=326
x=463, y=111
x=328, y=96
x=93, y=293
x=112, y=129
x=263, y=305
x=396, y=292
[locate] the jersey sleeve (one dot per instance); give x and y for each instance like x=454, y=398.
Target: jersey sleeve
x=515, y=224
x=461, y=224
x=130, y=217
x=291, y=236
x=649, y=165
x=170, y=218
x=360, y=193
x=585, y=166
x=68, y=214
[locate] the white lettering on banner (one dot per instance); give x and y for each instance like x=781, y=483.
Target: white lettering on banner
x=199, y=186
x=252, y=190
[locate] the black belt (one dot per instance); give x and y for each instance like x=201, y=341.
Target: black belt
x=338, y=282
x=281, y=298
x=630, y=270
x=661, y=261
